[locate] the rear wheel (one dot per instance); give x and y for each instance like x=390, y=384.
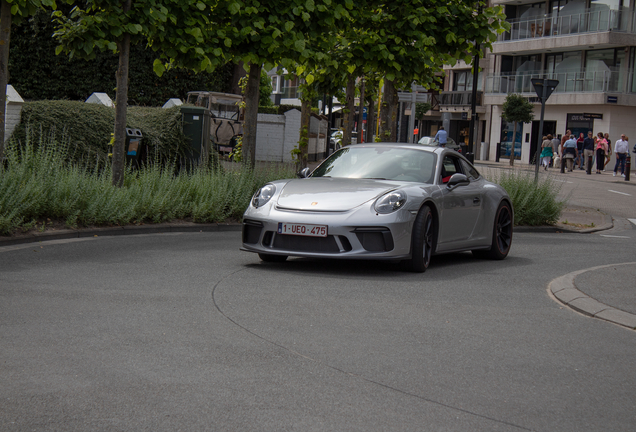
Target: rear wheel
x=501, y=236
x=423, y=240
x=272, y=258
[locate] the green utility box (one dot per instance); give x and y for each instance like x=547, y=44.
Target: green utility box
x=196, y=126
x=133, y=146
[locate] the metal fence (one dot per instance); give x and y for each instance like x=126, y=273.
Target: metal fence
x=590, y=21
x=569, y=82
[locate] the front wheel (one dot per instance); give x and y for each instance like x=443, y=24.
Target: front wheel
x=272, y=258
x=423, y=240
x=501, y=236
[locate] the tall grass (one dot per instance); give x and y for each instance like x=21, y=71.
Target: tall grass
x=534, y=203
x=38, y=181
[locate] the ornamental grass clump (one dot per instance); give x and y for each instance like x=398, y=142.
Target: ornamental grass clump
x=534, y=203
x=40, y=182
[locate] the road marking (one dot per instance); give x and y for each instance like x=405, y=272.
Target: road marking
x=605, y=235
x=632, y=221
x=622, y=193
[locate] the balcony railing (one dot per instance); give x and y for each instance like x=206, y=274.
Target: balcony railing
x=590, y=21
x=569, y=82
x=459, y=98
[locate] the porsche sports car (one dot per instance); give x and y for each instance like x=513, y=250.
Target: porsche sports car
x=381, y=201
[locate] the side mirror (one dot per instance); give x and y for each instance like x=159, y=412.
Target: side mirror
x=304, y=173
x=457, y=180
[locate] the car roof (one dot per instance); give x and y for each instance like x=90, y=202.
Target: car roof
x=420, y=147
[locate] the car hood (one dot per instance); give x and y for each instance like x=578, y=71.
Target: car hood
x=331, y=194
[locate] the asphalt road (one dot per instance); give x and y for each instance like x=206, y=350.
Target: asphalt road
x=186, y=332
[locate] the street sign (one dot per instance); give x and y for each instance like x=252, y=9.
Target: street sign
x=537, y=83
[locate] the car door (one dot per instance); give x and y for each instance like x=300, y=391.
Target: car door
x=461, y=206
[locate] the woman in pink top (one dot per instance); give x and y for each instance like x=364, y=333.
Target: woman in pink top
x=601, y=149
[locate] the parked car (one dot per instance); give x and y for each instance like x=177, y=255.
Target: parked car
x=450, y=143
x=336, y=138
x=381, y=201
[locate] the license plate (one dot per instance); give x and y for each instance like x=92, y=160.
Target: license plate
x=302, y=229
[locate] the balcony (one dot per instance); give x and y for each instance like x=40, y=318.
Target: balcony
x=598, y=27
x=569, y=82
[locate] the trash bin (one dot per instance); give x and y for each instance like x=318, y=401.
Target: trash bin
x=133, y=146
x=196, y=126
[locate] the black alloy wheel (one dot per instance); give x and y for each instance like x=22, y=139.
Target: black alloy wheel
x=423, y=240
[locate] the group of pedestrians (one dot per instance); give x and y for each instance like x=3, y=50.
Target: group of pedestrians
x=572, y=151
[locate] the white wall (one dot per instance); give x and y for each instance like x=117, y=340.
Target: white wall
x=277, y=135
x=13, y=108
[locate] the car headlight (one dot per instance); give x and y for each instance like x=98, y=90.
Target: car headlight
x=263, y=195
x=390, y=202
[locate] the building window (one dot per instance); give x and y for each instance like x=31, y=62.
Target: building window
x=463, y=80
x=275, y=84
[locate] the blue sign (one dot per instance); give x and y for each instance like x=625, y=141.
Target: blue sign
x=612, y=99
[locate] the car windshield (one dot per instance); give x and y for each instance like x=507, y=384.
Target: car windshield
x=386, y=163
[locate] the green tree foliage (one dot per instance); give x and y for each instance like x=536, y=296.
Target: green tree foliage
x=282, y=32
x=12, y=12
x=53, y=77
x=179, y=31
x=411, y=40
x=516, y=108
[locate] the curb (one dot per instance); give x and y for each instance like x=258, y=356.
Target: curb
x=115, y=231
x=566, y=292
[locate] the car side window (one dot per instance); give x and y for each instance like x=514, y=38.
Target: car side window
x=469, y=170
x=451, y=165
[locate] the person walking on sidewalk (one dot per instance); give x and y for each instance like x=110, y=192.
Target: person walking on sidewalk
x=608, y=153
x=556, y=142
x=588, y=150
x=621, y=149
x=579, y=148
x=569, y=152
x=601, y=149
x=546, y=151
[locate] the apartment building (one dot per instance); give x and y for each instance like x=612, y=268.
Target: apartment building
x=589, y=46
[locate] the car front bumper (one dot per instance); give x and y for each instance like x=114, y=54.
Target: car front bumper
x=357, y=234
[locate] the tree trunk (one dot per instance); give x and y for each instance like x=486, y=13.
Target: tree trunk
x=514, y=140
x=303, y=142
x=349, y=111
x=5, y=38
x=388, y=113
x=371, y=120
x=121, y=107
x=251, y=114
x=361, y=114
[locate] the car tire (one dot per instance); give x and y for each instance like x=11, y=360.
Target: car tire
x=272, y=258
x=501, y=235
x=423, y=240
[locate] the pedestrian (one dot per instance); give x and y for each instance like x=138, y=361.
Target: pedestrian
x=601, y=149
x=588, y=151
x=569, y=152
x=556, y=142
x=565, y=138
x=608, y=154
x=579, y=148
x=546, y=151
x=621, y=149
x=441, y=136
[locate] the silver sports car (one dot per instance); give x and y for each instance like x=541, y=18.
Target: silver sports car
x=381, y=201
